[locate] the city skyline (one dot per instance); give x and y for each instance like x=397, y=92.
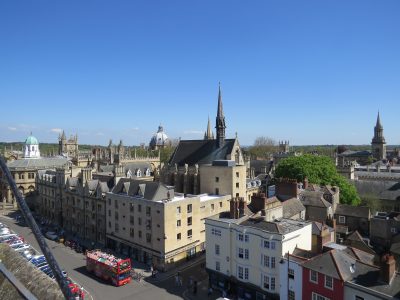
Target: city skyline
x=310, y=73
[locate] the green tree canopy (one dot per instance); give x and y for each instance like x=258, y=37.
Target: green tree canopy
x=318, y=170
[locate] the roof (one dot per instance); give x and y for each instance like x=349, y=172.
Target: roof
x=148, y=190
x=313, y=198
x=200, y=152
x=37, y=163
x=353, y=211
x=362, y=256
x=317, y=228
x=159, y=138
x=31, y=140
x=334, y=263
x=292, y=207
x=350, y=153
x=387, y=190
x=283, y=226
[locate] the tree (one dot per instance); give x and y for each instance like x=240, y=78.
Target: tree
x=318, y=170
x=263, y=147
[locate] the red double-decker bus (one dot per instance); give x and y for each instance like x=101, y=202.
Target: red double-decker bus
x=109, y=267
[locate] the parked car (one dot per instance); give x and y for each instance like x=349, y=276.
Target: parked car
x=15, y=243
x=51, y=235
x=4, y=231
x=7, y=237
x=22, y=247
x=27, y=254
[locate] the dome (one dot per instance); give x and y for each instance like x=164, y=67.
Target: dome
x=159, y=138
x=31, y=140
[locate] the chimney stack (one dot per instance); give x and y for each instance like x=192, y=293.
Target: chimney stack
x=242, y=206
x=388, y=268
x=234, y=208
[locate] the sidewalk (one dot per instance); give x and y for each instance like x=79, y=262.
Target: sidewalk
x=202, y=292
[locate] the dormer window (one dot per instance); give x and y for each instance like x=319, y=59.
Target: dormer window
x=138, y=173
x=147, y=172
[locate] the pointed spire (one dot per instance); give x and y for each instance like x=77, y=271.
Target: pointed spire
x=220, y=121
x=209, y=135
x=63, y=135
x=378, y=121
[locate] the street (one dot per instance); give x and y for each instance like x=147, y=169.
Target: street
x=75, y=264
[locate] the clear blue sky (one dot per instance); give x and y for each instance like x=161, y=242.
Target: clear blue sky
x=312, y=72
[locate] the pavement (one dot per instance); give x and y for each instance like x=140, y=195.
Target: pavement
x=161, y=287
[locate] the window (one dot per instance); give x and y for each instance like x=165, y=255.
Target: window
x=316, y=296
x=217, y=249
x=189, y=233
x=329, y=282
x=216, y=232
x=178, y=236
x=140, y=234
x=148, y=210
x=237, y=185
x=109, y=213
x=189, y=208
x=291, y=273
x=240, y=272
x=217, y=191
x=246, y=253
x=178, y=210
x=189, y=221
x=240, y=237
x=140, y=221
x=313, y=276
x=216, y=179
x=131, y=232
x=246, y=238
x=116, y=215
x=269, y=283
x=109, y=201
x=178, y=223
x=240, y=253
x=131, y=220
x=116, y=227
x=217, y=266
x=266, y=244
x=342, y=219
x=116, y=203
x=131, y=207
x=220, y=204
x=212, y=207
x=273, y=262
x=266, y=261
x=148, y=237
x=292, y=295
x=246, y=273
x=139, y=208
x=272, y=244
x=237, y=174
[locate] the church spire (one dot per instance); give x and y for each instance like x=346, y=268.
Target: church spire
x=378, y=141
x=378, y=121
x=209, y=135
x=220, y=121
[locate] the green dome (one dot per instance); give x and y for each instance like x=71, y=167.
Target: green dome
x=31, y=140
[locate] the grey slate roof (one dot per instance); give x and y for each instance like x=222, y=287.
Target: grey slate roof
x=353, y=211
x=292, y=207
x=129, y=166
x=387, y=190
x=37, y=163
x=200, y=152
x=313, y=198
x=149, y=190
x=282, y=226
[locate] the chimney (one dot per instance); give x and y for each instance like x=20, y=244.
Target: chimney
x=258, y=202
x=234, y=208
x=242, y=206
x=305, y=183
x=388, y=268
x=286, y=188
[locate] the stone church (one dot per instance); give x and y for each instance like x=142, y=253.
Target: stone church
x=214, y=166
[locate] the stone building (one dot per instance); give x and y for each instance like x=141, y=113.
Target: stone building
x=378, y=143
x=68, y=147
x=159, y=140
x=152, y=223
x=24, y=171
x=208, y=166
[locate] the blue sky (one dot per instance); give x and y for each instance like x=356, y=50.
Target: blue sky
x=312, y=72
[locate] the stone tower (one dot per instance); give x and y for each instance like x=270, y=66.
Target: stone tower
x=220, y=121
x=378, y=141
x=209, y=135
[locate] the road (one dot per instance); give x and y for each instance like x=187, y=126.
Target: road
x=75, y=264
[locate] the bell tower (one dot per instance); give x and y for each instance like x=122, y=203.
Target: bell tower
x=378, y=143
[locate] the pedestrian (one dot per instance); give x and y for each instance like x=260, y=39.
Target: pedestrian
x=209, y=291
x=180, y=281
x=176, y=280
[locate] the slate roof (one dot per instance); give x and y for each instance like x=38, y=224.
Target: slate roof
x=350, y=153
x=313, y=198
x=148, y=190
x=129, y=166
x=317, y=228
x=292, y=207
x=200, y=152
x=282, y=226
x=37, y=163
x=353, y=211
x=362, y=256
x=388, y=190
